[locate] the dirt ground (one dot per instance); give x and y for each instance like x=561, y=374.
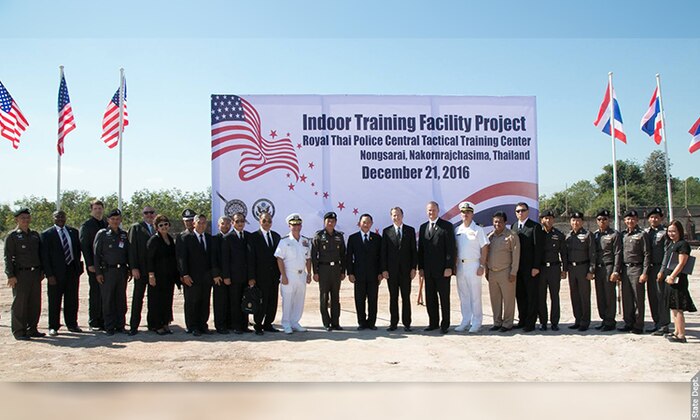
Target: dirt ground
x=350, y=355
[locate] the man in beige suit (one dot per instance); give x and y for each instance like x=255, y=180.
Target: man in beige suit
x=501, y=272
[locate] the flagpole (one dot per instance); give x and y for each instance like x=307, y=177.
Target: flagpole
x=121, y=130
x=663, y=131
x=614, y=158
x=58, y=165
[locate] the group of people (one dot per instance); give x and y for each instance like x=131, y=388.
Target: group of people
x=521, y=265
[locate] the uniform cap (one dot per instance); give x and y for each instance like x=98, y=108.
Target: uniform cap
x=23, y=210
x=631, y=213
x=576, y=215
x=293, y=219
x=603, y=213
x=188, y=214
x=547, y=213
x=466, y=206
x=330, y=215
x=656, y=210
x=115, y=212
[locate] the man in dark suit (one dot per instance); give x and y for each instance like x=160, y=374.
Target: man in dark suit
x=264, y=272
x=194, y=262
x=527, y=283
x=60, y=258
x=139, y=234
x=235, y=271
x=436, y=260
x=364, y=271
x=222, y=300
x=88, y=230
x=398, y=261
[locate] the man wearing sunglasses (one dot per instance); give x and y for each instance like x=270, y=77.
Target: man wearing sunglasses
x=139, y=234
x=527, y=283
x=264, y=272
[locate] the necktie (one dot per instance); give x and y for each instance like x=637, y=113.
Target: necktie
x=269, y=240
x=398, y=234
x=201, y=242
x=432, y=228
x=366, y=238
x=150, y=229
x=67, y=254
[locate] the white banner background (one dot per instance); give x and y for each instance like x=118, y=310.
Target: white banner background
x=331, y=177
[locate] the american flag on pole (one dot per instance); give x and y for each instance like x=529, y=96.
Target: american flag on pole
x=603, y=120
x=695, y=141
x=651, y=121
x=110, y=121
x=66, y=122
x=236, y=126
x=12, y=121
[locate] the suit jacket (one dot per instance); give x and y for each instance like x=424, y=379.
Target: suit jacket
x=138, y=238
x=364, y=260
x=531, y=245
x=161, y=259
x=53, y=259
x=262, y=264
x=436, y=251
x=217, y=253
x=192, y=260
x=88, y=230
x=399, y=258
x=234, y=260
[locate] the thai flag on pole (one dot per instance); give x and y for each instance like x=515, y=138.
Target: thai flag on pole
x=695, y=132
x=603, y=120
x=651, y=121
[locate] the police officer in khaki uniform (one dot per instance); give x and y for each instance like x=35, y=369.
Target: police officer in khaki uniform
x=24, y=275
x=635, y=268
x=657, y=291
x=554, y=261
x=112, y=269
x=328, y=261
x=608, y=267
x=501, y=272
x=580, y=256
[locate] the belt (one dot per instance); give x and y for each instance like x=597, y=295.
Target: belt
x=603, y=265
x=28, y=268
x=115, y=266
x=576, y=263
x=331, y=263
x=552, y=264
x=466, y=261
x=633, y=264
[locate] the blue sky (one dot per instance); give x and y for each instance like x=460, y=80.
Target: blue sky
x=176, y=55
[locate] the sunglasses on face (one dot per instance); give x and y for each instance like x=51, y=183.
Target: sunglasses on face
x=149, y=212
x=521, y=210
x=164, y=224
x=266, y=221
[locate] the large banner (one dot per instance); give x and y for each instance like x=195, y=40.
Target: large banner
x=366, y=154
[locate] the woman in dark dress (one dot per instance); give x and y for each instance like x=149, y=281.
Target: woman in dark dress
x=679, y=297
x=162, y=275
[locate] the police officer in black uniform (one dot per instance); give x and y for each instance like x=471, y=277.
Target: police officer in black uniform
x=328, y=260
x=635, y=268
x=607, y=269
x=657, y=291
x=88, y=230
x=553, y=270
x=581, y=257
x=112, y=270
x=24, y=275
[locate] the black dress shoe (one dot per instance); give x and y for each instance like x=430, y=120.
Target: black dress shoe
x=109, y=332
x=161, y=332
x=495, y=328
x=430, y=328
x=543, y=328
x=661, y=331
x=574, y=327
x=121, y=330
x=444, y=330
x=504, y=329
x=652, y=329
x=75, y=329
x=599, y=326
x=133, y=332
x=608, y=328
x=582, y=328
x=270, y=328
x=222, y=331
x=188, y=331
x=518, y=326
x=528, y=329
x=555, y=327
x=22, y=337
x=259, y=332
x=329, y=328
x=407, y=329
x=361, y=328
x=337, y=327
x=391, y=328
x=36, y=334
x=626, y=328
x=372, y=327
x=197, y=333
x=637, y=331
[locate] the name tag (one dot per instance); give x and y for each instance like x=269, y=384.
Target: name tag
x=121, y=244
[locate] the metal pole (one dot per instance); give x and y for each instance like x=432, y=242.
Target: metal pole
x=58, y=163
x=121, y=129
x=663, y=131
x=614, y=158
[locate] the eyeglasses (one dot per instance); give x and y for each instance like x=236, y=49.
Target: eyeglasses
x=521, y=210
x=149, y=212
x=164, y=224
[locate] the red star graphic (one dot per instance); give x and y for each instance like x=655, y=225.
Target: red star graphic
x=289, y=175
x=376, y=231
x=313, y=184
x=298, y=145
x=302, y=178
x=273, y=133
x=291, y=187
x=288, y=134
x=311, y=165
x=325, y=194
x=354, y=211
x=315, y=192
x=341, y=205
